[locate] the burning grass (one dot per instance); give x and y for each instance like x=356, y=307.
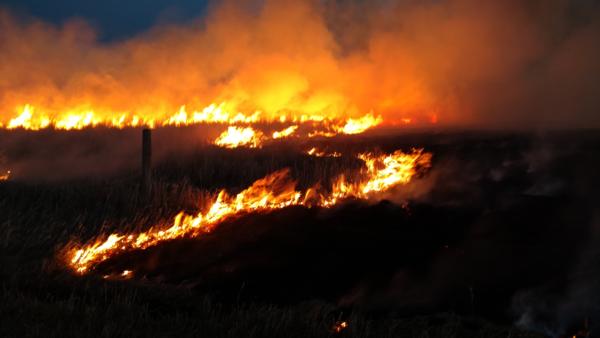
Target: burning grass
x=272, y=192
x=349, y=256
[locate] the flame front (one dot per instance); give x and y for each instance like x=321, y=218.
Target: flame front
x=241, y=131
x=27, y=117
x=272, y=192
x=235, y=137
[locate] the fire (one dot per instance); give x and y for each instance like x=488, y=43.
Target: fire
x=357, y=126
x=236, y=136
x=275, y=191
x=241, y=129
x=389, y=170
x=74, y=119
x=285, y=132
x=213, y=113
x=383, y=172
x=25, y=120
x=340, y=326
x=314, y=151
x=29, y=118
x=318, y=133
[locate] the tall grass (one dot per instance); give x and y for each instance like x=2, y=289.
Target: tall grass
x=41, y=299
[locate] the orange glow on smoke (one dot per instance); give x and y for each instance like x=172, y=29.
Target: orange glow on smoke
x=275, y=191
x=280, y=63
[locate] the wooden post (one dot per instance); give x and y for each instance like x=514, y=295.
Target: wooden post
x=146, y=160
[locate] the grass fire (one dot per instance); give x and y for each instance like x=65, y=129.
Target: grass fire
x=300, y=168
x=275, y=191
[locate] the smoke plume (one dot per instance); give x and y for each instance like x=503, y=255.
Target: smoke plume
x=456, y=62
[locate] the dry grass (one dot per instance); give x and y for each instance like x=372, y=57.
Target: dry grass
x=39, y=299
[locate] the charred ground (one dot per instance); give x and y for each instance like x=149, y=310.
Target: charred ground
x=502, y=229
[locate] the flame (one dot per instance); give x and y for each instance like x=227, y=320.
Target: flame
x=28, y=118
x=340, y=326
x=317, y=133
x=25, y=120
x=241, y=130
x=285, y=132
x=357, y=126
x=236, y=136
x=275, y=191
x=212, y=113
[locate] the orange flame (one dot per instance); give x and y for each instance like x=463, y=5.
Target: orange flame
x=357, y=126
x=285, y=132
x=274, y=191
x=235, y=137
x=28, y=118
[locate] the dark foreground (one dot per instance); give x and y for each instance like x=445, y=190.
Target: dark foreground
x=498, y=240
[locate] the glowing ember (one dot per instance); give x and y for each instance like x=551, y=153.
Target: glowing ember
x=340, y=326
x=5, y=176
x=272, y=192
x=314, y=151
x=236, y=136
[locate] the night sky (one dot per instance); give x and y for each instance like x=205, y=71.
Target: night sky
x=113, y=19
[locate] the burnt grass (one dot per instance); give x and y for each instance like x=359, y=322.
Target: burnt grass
x=456, y=253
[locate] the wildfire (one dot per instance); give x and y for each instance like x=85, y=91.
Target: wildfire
x=241, y=129
x=275, y=191
x=29, y=118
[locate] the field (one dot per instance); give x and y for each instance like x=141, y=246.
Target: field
x=497, y=239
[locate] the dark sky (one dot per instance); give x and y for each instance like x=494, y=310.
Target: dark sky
x=113, y=19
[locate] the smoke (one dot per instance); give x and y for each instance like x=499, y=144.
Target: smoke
x=459, y=62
